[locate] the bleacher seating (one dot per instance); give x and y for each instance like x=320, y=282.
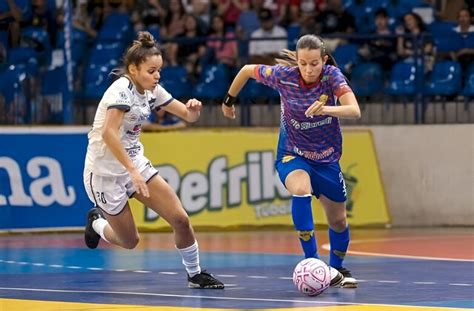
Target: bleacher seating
x=367, y=79
x=402, y=79
x=445, y=79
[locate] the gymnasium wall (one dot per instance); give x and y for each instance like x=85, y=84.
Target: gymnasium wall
x=426, y=176
x=428, y=173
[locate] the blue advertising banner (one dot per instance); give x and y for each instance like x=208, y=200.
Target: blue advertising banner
x=41, y=180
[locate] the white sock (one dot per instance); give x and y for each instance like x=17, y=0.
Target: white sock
x=99, y=226
x=190, y=257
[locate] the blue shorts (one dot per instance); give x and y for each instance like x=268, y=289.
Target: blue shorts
x=326, y=179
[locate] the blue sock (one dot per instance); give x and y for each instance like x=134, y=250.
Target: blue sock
x=339, y=242
x=303, y=221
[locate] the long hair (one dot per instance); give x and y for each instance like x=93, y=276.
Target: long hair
x=289, y=58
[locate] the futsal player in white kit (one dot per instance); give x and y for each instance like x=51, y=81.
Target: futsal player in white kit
x=116, y=168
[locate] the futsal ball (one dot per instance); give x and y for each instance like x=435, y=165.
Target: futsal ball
x=311, y=276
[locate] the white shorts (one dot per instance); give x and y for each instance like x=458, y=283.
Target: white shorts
x=111, y=193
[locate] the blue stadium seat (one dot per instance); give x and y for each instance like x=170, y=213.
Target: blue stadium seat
x=402, y=79
x=445, y=79
x=254, y=90
x=441, y=27
x=40, y=42
x=175, y=80
x=155, y=32
x=346, y=56
x=54, y=81
x=293, y=32
x=367, y=79
x=4, y=38
x=468, y=90
x=97, y=79
x=448, y=42
x=20, y=55
x=79, y=44
x=25, y=56
x=10, y=82
x=102, y=53
x=116, y=27
x=469, y=41
x=213, y=82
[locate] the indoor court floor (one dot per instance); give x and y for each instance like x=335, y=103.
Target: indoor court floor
x=398, y=269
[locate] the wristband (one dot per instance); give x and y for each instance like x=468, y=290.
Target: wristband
x=229, y=100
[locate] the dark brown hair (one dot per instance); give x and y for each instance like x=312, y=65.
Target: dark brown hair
x=143, y=47
x=311, y=42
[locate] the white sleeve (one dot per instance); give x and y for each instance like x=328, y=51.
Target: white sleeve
x=118, y=95
x=161, y=96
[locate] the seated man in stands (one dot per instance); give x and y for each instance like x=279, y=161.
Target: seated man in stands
x=465, y=56
x=265, y=51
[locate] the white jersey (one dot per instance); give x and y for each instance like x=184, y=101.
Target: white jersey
x=123, y=95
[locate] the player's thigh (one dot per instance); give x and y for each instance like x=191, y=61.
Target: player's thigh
x=163, y=200
x=294, y=174
x=328, y=180
x=123, y=225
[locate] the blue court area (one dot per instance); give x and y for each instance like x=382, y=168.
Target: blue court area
x=156, y=277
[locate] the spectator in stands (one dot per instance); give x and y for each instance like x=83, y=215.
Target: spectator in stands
x=149, y=13
x=465, y=56
x=221, y=44
x=380, y=50
x=335, y=19
x=174, y=21
x=409, y=47
x=264, y=51
x=289, y=15
x=190, y=46
x=230, y=10
x=10, y=23
x=464, y=22
x=247, y=23
x=82, y=20
x=200, y=9
x=173, y=26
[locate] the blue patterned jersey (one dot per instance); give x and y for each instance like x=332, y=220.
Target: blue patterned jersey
x=318, y=139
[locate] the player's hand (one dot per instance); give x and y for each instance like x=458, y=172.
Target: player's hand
x=229, y=112
x=316, y=109
x=139, y=183
x=194, y=105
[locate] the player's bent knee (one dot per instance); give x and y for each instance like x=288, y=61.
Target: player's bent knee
x=300, y=190
x=338, y=225
x=131, y=243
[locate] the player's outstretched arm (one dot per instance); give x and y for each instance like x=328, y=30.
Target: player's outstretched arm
x=240, y=79
x=189, y=112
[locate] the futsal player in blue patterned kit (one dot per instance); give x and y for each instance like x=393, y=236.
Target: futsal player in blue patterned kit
x=314, y=95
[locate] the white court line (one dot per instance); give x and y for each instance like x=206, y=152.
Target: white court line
x=220, y=275
x=327, y=247
x=170, y=273
x=311, y=302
